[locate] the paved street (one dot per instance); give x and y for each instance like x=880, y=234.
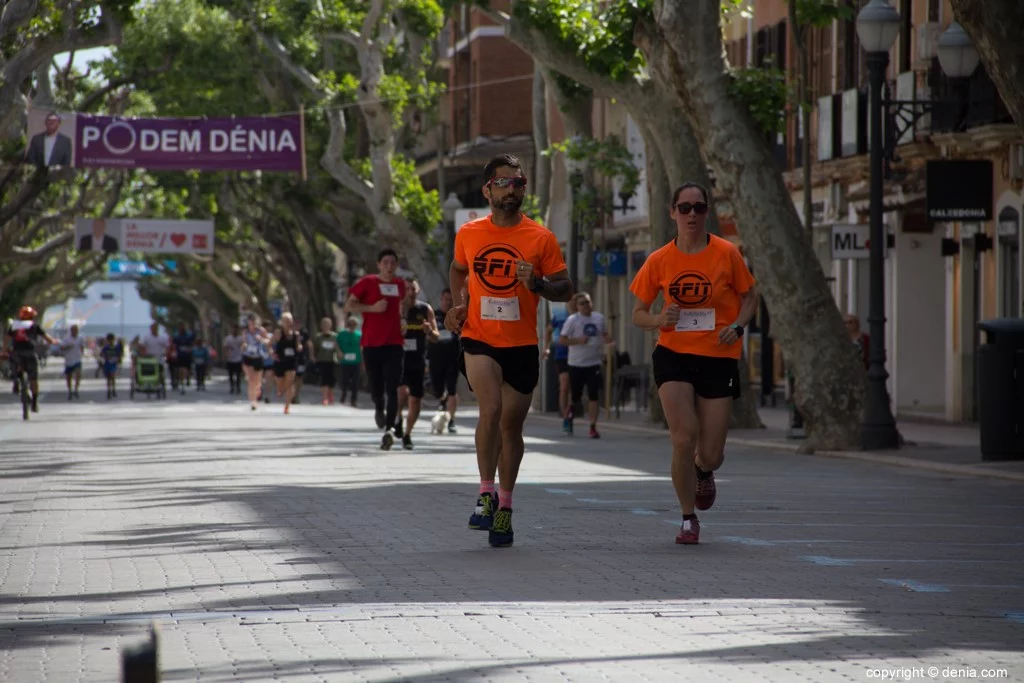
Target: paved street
x=273, y=547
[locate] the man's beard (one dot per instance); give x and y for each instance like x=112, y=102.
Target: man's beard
x=509, y=204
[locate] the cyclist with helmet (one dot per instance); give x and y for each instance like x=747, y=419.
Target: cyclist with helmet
x=24, y=333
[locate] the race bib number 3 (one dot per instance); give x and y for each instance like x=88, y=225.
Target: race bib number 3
x=494, y=308
x=696, y=320
x=410, y=344
x=388, y=289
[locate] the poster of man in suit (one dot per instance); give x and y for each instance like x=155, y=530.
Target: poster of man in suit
x=50, y=138
x=94, y=234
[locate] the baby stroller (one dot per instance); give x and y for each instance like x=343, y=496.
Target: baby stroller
x=148, y=378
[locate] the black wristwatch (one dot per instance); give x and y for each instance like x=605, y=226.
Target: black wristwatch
x=738, y=328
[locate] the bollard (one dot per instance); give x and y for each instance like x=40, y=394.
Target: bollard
x=140, y=663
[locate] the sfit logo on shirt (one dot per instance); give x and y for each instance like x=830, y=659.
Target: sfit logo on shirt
x=690, y=288
x=495, y=266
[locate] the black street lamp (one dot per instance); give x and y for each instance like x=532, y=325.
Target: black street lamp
x=449, y=208
x=576, y=180
x=878, y=25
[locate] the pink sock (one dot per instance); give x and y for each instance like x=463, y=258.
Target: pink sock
x=487, y=486
x=505, y=499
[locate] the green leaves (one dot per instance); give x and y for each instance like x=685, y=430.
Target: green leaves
x=821, y=13
x=608, y=157
x=764, y=93
x=600, y=31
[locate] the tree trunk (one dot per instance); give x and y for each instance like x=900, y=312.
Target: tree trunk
x=995, y=29
x=828, y=380
x=662, y=229
x=541, y=180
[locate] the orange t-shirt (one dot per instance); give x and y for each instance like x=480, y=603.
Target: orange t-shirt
x=707, y=286
x=502, y=311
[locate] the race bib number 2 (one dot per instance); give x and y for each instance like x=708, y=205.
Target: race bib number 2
x=494, y=308
x=696, y=320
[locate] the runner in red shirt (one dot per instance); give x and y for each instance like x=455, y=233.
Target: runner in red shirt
x=380, y=300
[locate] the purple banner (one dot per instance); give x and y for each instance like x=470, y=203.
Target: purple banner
x=268, y=143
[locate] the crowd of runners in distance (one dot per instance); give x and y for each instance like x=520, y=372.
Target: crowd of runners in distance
x=485, y=329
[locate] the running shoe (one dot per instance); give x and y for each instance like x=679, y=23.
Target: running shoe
x=398, y=427
x=689, y=532
x=706, y=492
x=483, y=515
x=35, y=404
x=378, y=417
x=407, y=442
x=451, y=427
x=500, y=535
x=387, y=441
x=593, y=432
x=566, y=425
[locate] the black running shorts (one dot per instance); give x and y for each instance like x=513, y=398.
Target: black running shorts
x=520, y=365
x=585, y=377
x=413, y=371
x=711, y=377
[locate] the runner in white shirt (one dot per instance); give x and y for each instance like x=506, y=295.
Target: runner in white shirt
x=233, y=358
x=586, y=335
x=73, y=347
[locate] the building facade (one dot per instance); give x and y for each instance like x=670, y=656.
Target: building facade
x=942, y=276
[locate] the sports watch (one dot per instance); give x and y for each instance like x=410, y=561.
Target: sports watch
x=738, y=328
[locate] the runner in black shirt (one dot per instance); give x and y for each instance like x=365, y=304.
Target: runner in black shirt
x=420, y=325
x=444, y=369
x=287, y=347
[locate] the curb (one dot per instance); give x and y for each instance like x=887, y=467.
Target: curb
x=891, y=460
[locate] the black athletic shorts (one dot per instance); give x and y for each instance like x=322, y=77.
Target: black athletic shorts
x=711, y=377
x=413, y=370
x=281, y=367
x=588, y=377
x=326, y=371
x=28, y=362
x=444, y=372
x=561, y=365
x=520, y=365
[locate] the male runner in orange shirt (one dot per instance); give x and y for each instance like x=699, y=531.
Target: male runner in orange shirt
x=503, y=264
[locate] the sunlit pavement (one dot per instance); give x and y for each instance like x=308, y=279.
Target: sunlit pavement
x=274, y=547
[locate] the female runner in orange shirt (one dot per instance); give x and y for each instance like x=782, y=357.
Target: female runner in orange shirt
x=709, y=299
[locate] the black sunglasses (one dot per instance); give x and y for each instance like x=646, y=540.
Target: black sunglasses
x=518, y=182
x=700, y=208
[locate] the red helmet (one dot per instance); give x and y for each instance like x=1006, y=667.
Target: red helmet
x=27, y=313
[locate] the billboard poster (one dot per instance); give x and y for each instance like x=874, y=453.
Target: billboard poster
x=145, y=235
x=240, y=143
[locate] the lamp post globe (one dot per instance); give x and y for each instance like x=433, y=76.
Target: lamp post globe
x=957, y=55
x=878, y=25
x=450, y=206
